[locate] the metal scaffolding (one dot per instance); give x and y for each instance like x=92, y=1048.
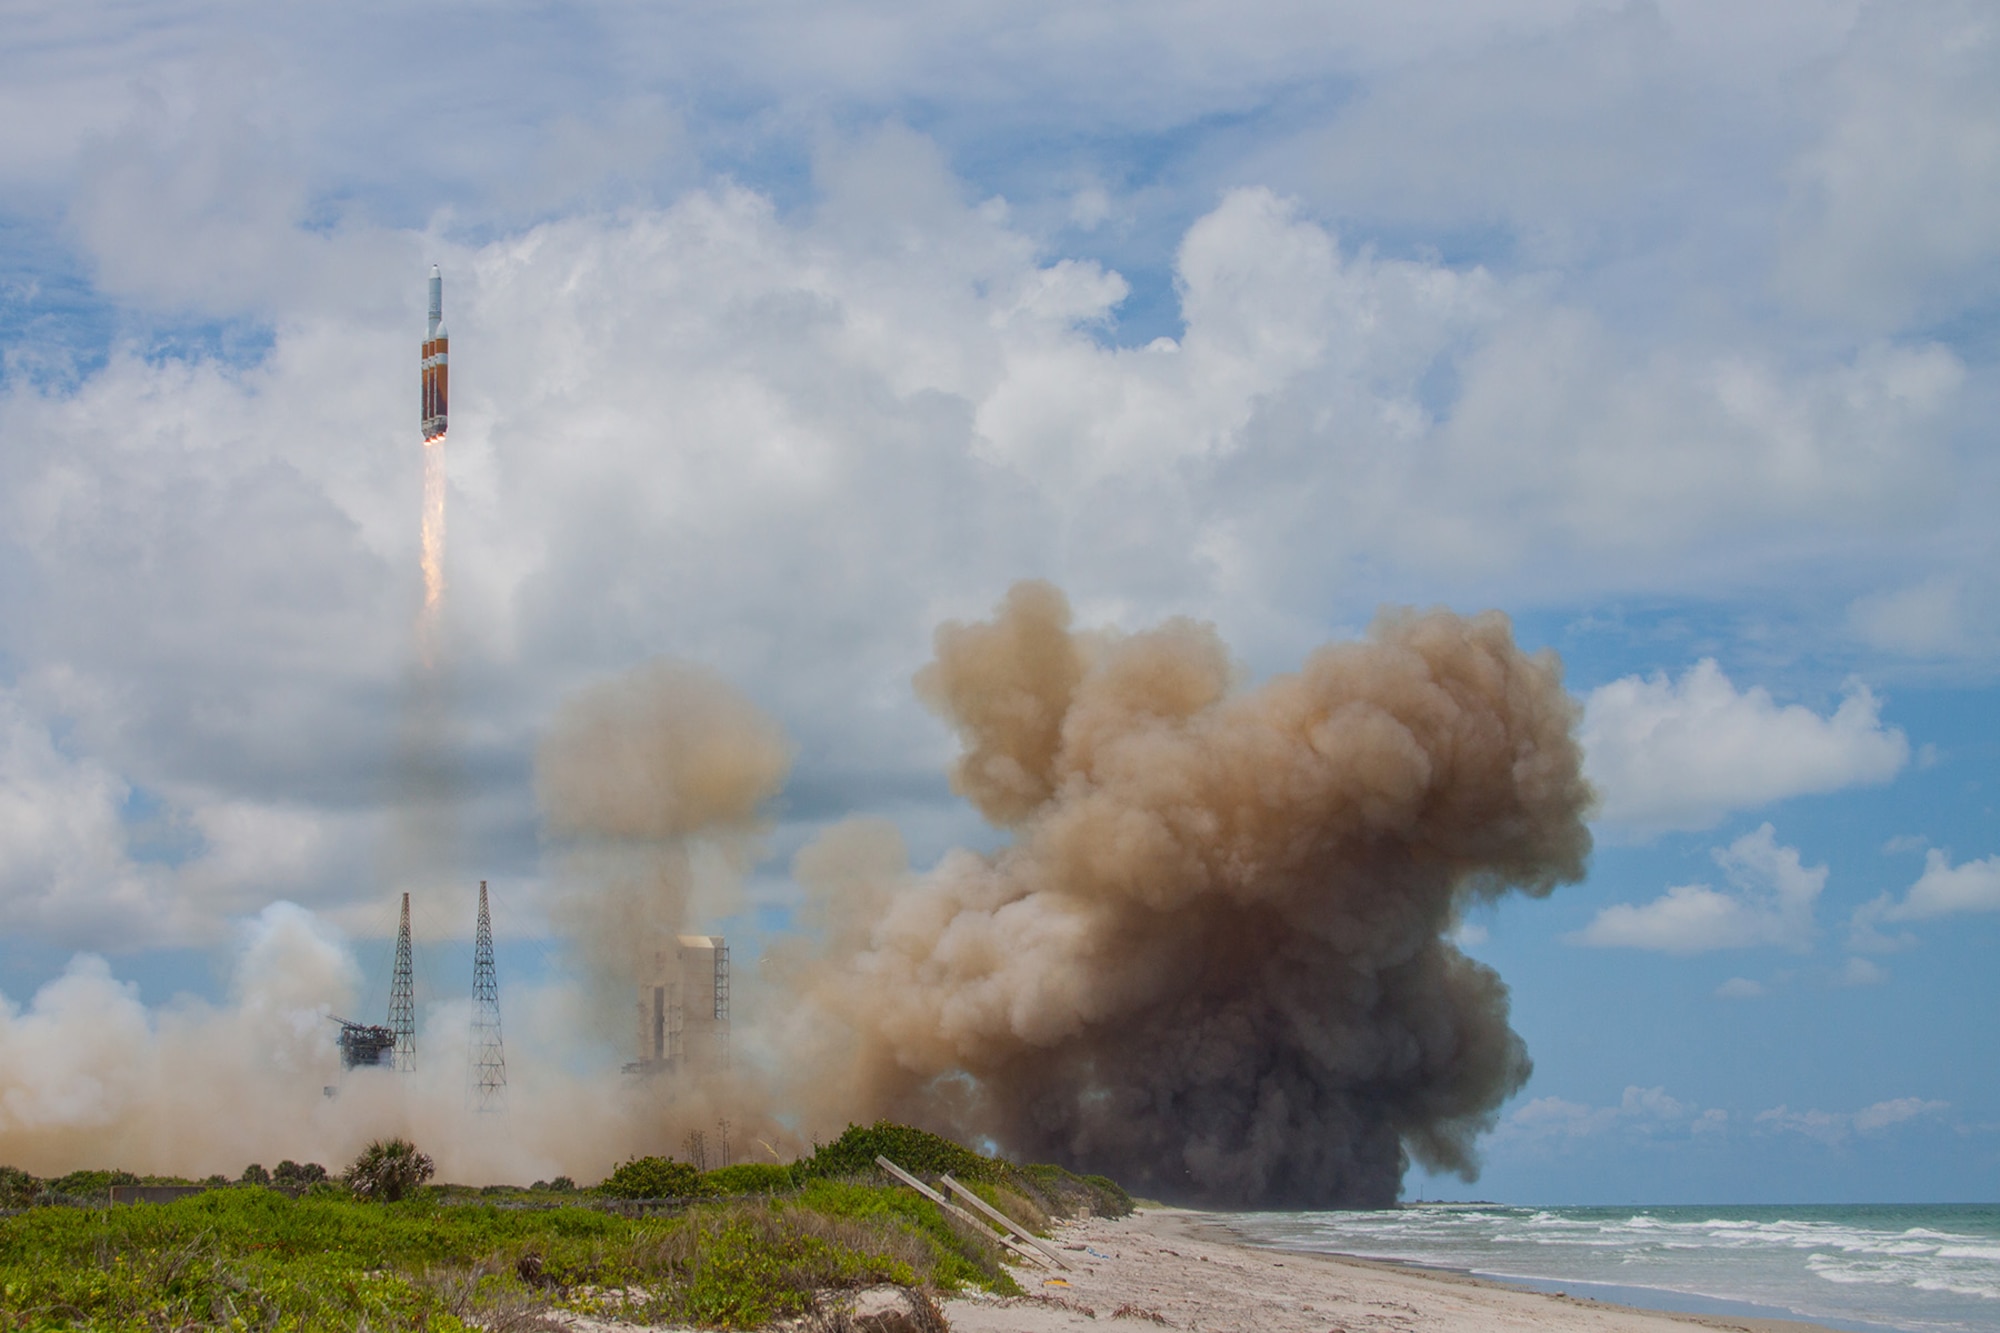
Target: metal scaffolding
x=363, y=1044
x=489, y=1059
x=402, y=999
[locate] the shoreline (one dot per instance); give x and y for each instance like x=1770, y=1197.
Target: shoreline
x=1687, y=1305
x=1181, y=1268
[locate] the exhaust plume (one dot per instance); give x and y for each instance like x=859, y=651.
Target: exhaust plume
x=431, y=552
x=647, y=780
x=1211, y=963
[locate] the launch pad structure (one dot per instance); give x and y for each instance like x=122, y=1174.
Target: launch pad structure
x=683, y=1009
x=393, y=1045
x=364, y=1044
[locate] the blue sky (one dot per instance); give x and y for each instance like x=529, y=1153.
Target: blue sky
x=782, y=333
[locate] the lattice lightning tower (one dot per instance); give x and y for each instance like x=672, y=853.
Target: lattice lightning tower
x=402, y=999
x=489, y=1060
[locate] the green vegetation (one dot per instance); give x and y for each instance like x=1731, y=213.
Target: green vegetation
x=653, y=1178
x=244, y=1257
x=388, y=1169
x=1047, y=1190
x=380, y=1249
x=749, y=1178
x=290, y=1173
x=915, y=1150
x=1068, y=1193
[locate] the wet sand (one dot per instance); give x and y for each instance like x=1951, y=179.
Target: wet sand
x=1166, y=1267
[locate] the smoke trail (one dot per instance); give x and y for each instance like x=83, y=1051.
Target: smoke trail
x=424, y=854
x=1212, y=961
x=432, y=556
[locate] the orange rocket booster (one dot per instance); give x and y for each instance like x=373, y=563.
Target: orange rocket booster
x=436, y=362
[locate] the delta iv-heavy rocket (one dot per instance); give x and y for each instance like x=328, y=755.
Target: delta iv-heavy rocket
x=436, y=362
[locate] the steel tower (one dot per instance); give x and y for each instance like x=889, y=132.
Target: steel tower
x=489, y=1060
x=402, y=999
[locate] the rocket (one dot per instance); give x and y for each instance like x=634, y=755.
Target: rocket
x=436, y=362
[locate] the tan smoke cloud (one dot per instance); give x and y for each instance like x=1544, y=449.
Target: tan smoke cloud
x=1212, y=961
x=647, y=780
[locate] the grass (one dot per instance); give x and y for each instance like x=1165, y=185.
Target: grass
x=745, y=1245
x=248, y=1258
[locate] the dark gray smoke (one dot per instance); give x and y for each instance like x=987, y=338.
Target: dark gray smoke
x=1212, y=963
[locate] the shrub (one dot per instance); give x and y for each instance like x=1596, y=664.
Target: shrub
x=388, y=1169
x=90, y=1185
x=17, y=1188
x=291, y=1173
x=1112, y=1198
x=653, y=1178
x=748, y=1178
x=1062, y=1191
x=254, y=1174
x=916, y=1151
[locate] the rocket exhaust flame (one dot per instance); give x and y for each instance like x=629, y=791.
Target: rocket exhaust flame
x=433, y=549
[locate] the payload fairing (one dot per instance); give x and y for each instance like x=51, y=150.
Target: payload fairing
x=436, y=362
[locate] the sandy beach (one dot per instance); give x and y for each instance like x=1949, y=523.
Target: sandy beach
x=1172, y=1268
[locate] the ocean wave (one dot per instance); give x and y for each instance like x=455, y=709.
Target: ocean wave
x=1917, y=1268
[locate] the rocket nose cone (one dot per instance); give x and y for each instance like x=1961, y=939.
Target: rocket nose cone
x=434, y=271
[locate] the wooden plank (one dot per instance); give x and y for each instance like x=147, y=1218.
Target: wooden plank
x=1006, y=1242
x=1002, y=1218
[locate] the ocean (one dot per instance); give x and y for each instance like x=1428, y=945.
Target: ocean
x=1914, y=1267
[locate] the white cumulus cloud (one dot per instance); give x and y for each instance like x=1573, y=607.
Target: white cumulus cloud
x=1682, y=754
x=1768, y=902
x=1943, y=889
x=1836, y=1127
x=1641, y=1112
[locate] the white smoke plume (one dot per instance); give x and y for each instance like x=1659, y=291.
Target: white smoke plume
x=90, y=1076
